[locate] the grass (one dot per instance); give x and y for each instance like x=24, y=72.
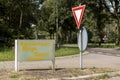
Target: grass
x=93, y=45
x=103, y=45
x=59, y=73
x=102, y=77
x=6, y=55
x=66, y=51
x=14, y=75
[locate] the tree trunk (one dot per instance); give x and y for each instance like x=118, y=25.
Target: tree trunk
x=53, y=35
x=36, y=31
x=99, y=23
x=100, y=40
x=20, y=24
x=50, y=35
x=118, y=22
x=118, y=32
x=70, y=38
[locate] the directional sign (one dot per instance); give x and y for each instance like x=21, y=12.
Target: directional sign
x=78, y=14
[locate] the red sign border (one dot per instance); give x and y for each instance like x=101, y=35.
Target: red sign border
x=78, y=8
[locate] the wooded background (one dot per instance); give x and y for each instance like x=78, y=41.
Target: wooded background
x=35, y=19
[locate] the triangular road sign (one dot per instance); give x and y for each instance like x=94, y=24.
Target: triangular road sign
x=78, y=14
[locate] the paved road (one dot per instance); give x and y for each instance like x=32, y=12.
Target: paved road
x=96, y=57
x=108, y=52
x=105, y=51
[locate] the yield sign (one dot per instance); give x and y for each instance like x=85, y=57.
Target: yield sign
x=78, y=14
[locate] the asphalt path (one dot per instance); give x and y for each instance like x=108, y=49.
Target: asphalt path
x=94, y=57
x=105, y=51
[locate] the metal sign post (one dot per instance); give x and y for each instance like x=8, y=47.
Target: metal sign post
x=82, y=43
x=16, y=56
x=82, y=36
x=81, y=60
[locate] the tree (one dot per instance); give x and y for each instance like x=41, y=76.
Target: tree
x=47, y=17
x=15, y=19
x=95, y=18
x=114, y=8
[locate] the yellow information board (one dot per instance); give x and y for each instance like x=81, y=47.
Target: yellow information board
x=32, y=50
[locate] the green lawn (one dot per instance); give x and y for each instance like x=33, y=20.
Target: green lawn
x=8, y=54
x=94, y=45
x=68, y=49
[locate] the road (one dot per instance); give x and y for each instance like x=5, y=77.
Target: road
x=95, y=57
x=105, y=51
x=108, y=52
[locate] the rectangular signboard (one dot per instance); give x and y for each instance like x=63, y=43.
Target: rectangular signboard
x=32, y=50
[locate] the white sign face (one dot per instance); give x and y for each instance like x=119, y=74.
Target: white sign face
x=78, y=14
x=82, y=40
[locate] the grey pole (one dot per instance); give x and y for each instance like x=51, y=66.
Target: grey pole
x=81, y=60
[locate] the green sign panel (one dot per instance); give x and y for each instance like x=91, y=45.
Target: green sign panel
x=33, y=50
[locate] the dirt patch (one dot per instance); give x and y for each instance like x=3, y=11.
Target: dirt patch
x=38, y=74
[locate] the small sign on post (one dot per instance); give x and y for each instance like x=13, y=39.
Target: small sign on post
x=34, y=50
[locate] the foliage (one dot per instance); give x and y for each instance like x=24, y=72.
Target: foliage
x=16, y=18
x=95, y=20
x=66, y=21
x=47, y=18
x=114, y=8
x=111, y=37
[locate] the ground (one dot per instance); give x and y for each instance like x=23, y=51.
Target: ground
x=36, y=74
